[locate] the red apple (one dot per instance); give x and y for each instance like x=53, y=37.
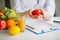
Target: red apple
x=2, y=24
x=37, y=12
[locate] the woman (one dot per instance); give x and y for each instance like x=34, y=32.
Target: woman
x=47, y=6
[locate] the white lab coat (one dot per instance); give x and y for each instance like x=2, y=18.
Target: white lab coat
x=24, y=5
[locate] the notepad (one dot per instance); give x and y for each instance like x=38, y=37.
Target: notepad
x=38, y=26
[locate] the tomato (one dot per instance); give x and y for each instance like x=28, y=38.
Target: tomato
x=2, y=24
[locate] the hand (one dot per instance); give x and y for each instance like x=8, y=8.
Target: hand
x=42, y=14
x=25, y=12
x=47, y=15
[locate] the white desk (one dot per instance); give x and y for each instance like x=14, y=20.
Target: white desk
x=27, y=35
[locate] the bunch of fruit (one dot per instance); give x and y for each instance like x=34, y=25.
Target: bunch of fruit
x=8, y=19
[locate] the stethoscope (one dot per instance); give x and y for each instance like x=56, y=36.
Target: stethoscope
x=37, y=2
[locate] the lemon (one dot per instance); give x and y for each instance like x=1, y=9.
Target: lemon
x=14, y=30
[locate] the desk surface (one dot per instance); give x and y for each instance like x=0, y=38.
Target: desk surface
x=27, y=35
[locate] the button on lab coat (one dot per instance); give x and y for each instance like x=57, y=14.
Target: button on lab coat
x=24, y=5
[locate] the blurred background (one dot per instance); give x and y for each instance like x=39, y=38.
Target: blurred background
x=57, y=2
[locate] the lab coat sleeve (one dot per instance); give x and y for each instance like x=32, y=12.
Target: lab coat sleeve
x=50, y=7
x=15, y=4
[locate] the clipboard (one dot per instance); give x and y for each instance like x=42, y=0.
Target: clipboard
x=39, y=26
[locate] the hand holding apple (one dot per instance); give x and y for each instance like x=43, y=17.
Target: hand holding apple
x=36, y=13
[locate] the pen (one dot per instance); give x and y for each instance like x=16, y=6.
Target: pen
x=29, y=26
x=56, y=21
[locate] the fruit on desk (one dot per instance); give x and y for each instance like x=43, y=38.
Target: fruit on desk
x=14, y=30
x=3, y=17
x=13, y=15
x=2, y=24
x=1, y=13
x=11, y=22
x=10, y=13
x=21, y=24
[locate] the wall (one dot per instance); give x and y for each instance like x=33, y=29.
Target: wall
x=57, y=7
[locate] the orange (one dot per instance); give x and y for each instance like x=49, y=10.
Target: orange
x=1, y=13
x=11, y=22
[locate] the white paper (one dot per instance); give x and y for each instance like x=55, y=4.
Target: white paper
x=38, y=25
